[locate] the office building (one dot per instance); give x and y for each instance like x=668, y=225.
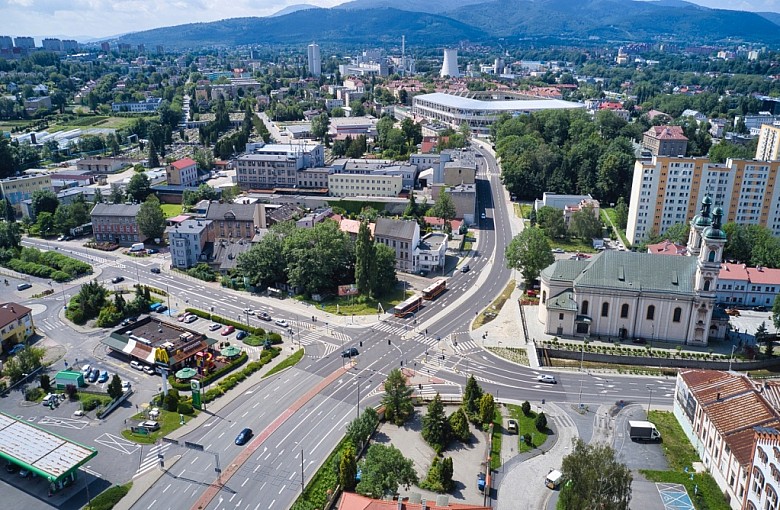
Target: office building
x=315, y=61
x=182, y=172
x=17, y=189
x=276, y=165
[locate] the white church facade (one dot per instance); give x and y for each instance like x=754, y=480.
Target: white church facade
x=630, y=295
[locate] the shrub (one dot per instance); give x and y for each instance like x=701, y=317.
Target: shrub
x=108, y=499
x=45, y=383
x=172, y=400
x=33, y=394
x=71, y=391
x=185, y=408
x=526, y=407
x=90, y=404
x=541, y=422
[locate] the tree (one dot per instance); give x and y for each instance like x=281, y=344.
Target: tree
x=444, y=209
x=348, y=468
x=117, y=196
x=384, y=270
x=439, y=478
x=551, y=220
x=621, y=213
x=44, y=201
x=150, y=219
x=360, y=429
x=320, y=125
x=585, y=224
x=471, y=396
x=26, y=362
x=593, y=478
x=10, y=237
x=776, y=313
x=115, y=387
x=397, y=399
x=411, y=209
x=526, y=408
x=138, y=188
x=487, y=409
x=264, y=264
x=529, y=252
x=762, y=337
x=383, y=470
x=45, y=223
x=9, y=213
x=459, y=425
x=541, y=422
x=364, y=259
x=154, y=160
x=435, y=427
x=45, y=382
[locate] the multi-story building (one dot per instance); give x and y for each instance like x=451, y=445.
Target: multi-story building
x=149, y=104
x=116, y=223
x=236, y=221
x=70, y=45
x=665, y=141
x=739, y=284
x=314, y=59
x=432, y=253
x=182, y=172
x=314, y=177
x=16, y=325
x=187, y=240
x=764, y=482
x=666, y=190
x=104, y=165
x=720, y=413
x=403, y=237
x=33, y=104
x=24, y=42
x=356, y=185
x=52, y=45
x=17, y=189
x=271, y=166
x=6, y=42
x=768, y=148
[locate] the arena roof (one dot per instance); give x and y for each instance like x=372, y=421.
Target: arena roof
x=466, y=103
x=40, y=451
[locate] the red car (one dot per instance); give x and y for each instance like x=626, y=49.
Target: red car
x=227, y=330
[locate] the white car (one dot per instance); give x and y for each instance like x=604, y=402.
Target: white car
x=86, y=369
x=214, y=327
x=281, y=323
x=549, y=379
x=149, y=370
x=557, y=250
x=78, y=412
x=125, y=385
x=136, y=365
x=249, y=311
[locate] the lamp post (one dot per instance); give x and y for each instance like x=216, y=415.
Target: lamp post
x=650, y=400
x=168, y=292
x=731, y=357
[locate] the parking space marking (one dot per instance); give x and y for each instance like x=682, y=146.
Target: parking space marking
x=674, y=496
x=66, y=423
x=118, y=443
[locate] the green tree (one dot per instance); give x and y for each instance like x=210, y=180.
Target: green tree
x=444, y=209
x=364, y=260
x=171, y=401
x=154, y=160
x=529, y=252
x=585, y=224
x=435, y=427
x=360, y=429
x=541, y=422
x=45, y=223
x=383, y=470
x=459, y=425
x=138, y=188
x=763, y=337
x=9, y=213
x=150, y=218
x=348, y=468
x=383, y=268
x=447, y=471
x=320, y=125
x=551, y=220
x=115, y=387
x=264, y=264
x=487, y=409
x=319, y=258
x=26, y=362
x=593, y=478
x=411, y=209
x=45, y=382
x=117, y=196
x=621, y=213
x=526, y=408
x=776, y=313
x=44, y=201
x=412, y=132
x=471, y=397
x=397, y=399
x=10, y=236
x=62, y=219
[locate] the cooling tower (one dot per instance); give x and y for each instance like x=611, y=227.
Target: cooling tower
x=450, y=65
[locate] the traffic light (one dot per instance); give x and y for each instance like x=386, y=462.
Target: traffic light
x=389, y=342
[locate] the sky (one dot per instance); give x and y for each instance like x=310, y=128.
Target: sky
x=90, y=19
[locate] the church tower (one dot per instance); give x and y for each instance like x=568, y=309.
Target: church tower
x=698, y=224
x=708, y=259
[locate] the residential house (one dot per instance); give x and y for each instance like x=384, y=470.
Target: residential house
x=182, y=172
x=104, y=165
x=34, y=104
x=116, y=223
x=188, y=240
x=741, y=285
x=314, y=217
x=665, y=141
x=236, y=221
x=432, y=252
x=16, y=325
x=667, y=247
x=20, y=188
x=226, y=252
x=403, y=237
x=764, y=482
x=569, y=210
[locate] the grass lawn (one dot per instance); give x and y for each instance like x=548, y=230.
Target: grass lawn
x=490, y=312
x=526, y=425
x=678, y=450
x=608, y=216
x=516, y=355
x=171, y=210
x=323, y=481
x=289, y=362
x=709, y=495
x=572, y=244
x=523, y=210
x=168, y=423
x=498, y=434
x=358, y=305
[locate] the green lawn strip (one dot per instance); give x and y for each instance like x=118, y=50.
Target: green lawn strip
x=168, y=423
x=498, y=434
x=703, y=490
x=491, y=312
x=171, y=210
x=572, y=244
x=513, y=354
x=324, y=480
x=609, y=218
x=678, y=449
x=523, y=210
x=527, y=425
x=290, y=361
x=107, y=499
x=358, y=305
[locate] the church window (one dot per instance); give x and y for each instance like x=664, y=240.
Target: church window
x=677, y=314
x=584, y=308
x=605, y=309
x=651, y=312
x=711, y=257
x=706, y=285
x=624, y=311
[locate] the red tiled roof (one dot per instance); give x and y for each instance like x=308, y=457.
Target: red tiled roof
x=764, y=275
x=666, y=133
x=10, y=312
x=730, y=271
x=352, y=501
x=667, y=248
x=183, y=163
x=438, y=222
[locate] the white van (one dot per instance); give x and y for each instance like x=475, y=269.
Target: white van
x=553, y=479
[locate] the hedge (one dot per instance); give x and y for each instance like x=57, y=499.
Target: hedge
x=107, y=499
x=242, y=358
x=227, y=322
x=33, y=269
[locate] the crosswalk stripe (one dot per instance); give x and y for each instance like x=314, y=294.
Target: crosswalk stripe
x=151, y=460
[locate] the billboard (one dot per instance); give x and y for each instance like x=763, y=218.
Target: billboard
x=348, y=290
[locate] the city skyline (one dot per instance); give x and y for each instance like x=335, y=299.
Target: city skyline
x=87, y=20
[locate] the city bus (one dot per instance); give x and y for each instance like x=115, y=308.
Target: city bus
x=411, y=305
x=434, y=290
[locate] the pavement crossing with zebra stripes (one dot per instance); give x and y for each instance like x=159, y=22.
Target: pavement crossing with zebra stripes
x=151, y=459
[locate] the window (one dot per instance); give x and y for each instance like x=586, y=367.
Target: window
x=651, y=312
x=605, y=309
x=707, y=286
x=584, y=308
x=560, y=316
x=711, y=256
x=677, y=314
x=624, y=311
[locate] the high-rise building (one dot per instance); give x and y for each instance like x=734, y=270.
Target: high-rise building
x=6, y=42
x=69, y=45
x=52, y=45
x=768, y=148
x=666, y=190
x=24, y=42
x=315, y=61
x=105, y=47
x=450, y=65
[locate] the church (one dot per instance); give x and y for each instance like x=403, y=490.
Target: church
x=631, y=295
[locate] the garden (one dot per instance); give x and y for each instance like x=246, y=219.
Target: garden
x=47, y=264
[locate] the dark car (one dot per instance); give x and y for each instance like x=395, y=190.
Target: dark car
x=152, y=251
x=348, y=353
x=117, y=279
x=161, y=309
x=264, y=316
x=465, y=269
x=94, y=374
x=156, y=270
x=243, y=437
x=241, y=335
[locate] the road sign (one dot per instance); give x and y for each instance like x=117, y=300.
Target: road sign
x=170, y=440
x=193, y=446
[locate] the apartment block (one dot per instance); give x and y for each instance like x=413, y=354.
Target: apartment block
x=403, y=237
x=16, y=325
x=18, y=189
x=272, y=166
x=188, y=242
x=768, y=148
x=116, y=223
x=182, y=172
x=667, y=190
x=236, y=221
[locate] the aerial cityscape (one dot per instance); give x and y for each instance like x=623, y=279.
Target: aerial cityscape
x=390, y=255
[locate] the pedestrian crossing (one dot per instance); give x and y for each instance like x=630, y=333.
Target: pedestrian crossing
x=151, y=459
x=466, y=347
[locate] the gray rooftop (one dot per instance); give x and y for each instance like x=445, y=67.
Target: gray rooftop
x=465, y=103
x=241, y=212
x=188, y=227
x=399, y=229
x=121, y=210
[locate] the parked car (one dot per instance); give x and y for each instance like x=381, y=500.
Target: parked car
x=16, y=349
x=558, y=250
x=125, y=385
x=264, y=316
x=190, y=319
x=24, y=286
x=214, y=326
x=136, y=365
x=86, y=369
x=243, y=436
x=78, y=412
x=149, y=370
x=150, y=425
x=482, y=216
x=545, y=378
x=61, y=238
x=281, y=323
x=241, y=335
x=93, y=376
x=183, y=317
x=103, y=376
x=348, y=353
x=227, y=330
x=156, y=270
x=152, y=251
x=117, y=279
x=162, y=309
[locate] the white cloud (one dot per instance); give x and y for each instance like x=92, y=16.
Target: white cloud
x=104, y=18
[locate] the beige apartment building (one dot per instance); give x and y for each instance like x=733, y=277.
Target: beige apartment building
x=768, y=148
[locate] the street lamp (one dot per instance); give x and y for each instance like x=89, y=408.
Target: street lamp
x=731, y=357
x=650, y=400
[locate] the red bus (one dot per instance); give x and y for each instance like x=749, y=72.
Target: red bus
x=411, y=305
x=434, y=290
